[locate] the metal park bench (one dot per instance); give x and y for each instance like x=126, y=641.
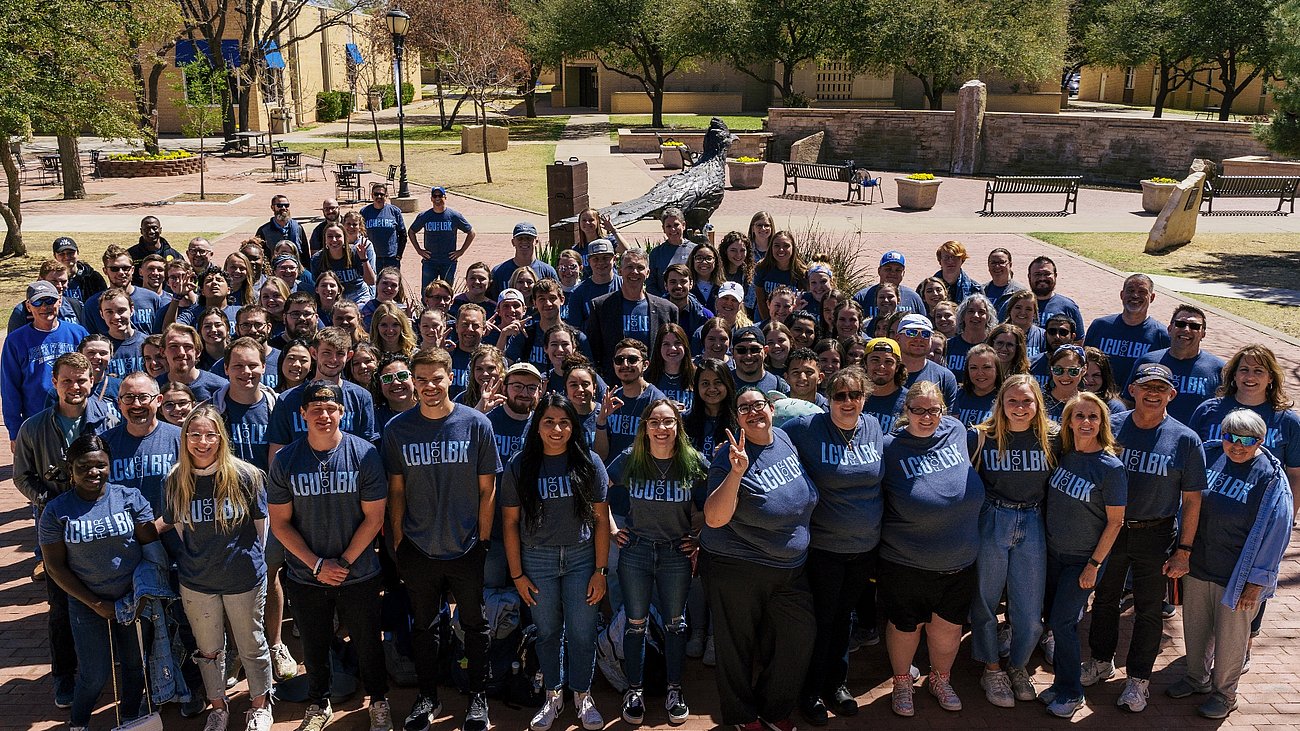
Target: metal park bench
x=1251, y=186
x=1026, y=184
x=844, y=173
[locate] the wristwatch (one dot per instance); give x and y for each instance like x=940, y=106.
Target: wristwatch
x=343, y=563
x=1183, y=547
x=602, y=570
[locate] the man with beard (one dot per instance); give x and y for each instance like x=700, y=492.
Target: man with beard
x=1042, y=281
x=914, y=340
x=181, y=345
x=199, y=253
x=884, y=363
x=471, y=325
x=300, y=321
x=282, y=227
x=1127, y=336
x=749, y=356
x=1196, y=373
x=149, y=305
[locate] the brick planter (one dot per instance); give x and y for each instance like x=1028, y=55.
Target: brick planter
x=149, y=168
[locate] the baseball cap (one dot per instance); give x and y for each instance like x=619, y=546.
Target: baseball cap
x=527, y=369
x=600, y=246
x=917, y=321
x=523, y=228
x=321, y=391
x=1148, y=372
x=40, y=289
x=64, y=243
x=747, y=334
x=510, y=294
x=732, y=289
x=893, y=257
x=884, y=345
x=438, y=189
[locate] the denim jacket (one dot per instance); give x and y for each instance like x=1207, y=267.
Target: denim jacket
x=1266, y=543
x=147, y=600
x=963, y=287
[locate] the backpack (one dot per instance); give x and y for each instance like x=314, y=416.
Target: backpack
x=609, y=653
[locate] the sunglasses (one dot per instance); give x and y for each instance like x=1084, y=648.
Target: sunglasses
x=281, y=205
x=1189, y=325
x=847, y=396
x=1060, y=332
x=122, y=268
x=752, y=407
x=45, y=302
x=627, y=359
x=932, y=411
x=399, y=377
x=1241, y=439
x=1061, y=370
x=915, y=332
x=748, y=350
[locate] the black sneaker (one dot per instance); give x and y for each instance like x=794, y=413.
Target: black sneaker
x=196, y=705
x=1168, y=611
x=676, y=706
x=476, y=718
x=634, y=706
x=843, y=703
x=64, y=686
x=422, y=713
x=814, y=711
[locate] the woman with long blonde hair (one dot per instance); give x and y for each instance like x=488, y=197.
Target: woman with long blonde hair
x=390, y=330
x=216, y=502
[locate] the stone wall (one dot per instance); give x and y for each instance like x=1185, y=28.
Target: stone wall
x=1111, y=150
x=150, y=168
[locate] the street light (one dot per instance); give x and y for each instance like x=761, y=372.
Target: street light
x=398, y=23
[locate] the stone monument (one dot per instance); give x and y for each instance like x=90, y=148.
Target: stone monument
x=1176, y=224
x=968, y=126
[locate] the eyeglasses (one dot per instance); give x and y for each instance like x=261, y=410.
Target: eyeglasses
x=627, y=359
x=136, y=398
x=753, y=407
x=1060, y=332
x=169, y=405
x=524, y=387
x=915, y=332
x=1061, y=370
x=932, y=411
x=1189, y=325
x=122, y=268
x=847, y=396
x=399, y=377
x=661, y=423
x=1242, y=439
x=747, y=350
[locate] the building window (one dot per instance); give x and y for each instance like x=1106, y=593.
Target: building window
x=272, y=86
x=1130, y=78
x=834, y=81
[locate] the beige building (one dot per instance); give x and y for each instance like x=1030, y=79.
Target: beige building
x=1138, y=85
x=319, y=62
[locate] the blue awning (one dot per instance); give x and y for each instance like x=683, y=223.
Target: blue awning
x=188, y=51
x=354, y=54
x=273, y=58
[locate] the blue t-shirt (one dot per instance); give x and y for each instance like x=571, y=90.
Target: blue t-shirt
x=1035, y=342
x=385, y=228
x=623, y=423
x=908, y=300
x=636, y=320
x=1081, y=488
x=502, y=272
x=148, y=315
x=997, y=293
x=351, y=278
x=957, y=350
x=326, y=490
x=1196, y=379
x=1059, y=304
x=559, y=524
x=530, y=347
x=768, y=382
x=769, y=279
x=441, y=461
x=1282, y=438
x=248, y=427
x=1125, y=344
x=507, y=435
x=210, y=560
x=1229, y=507
x=774, y=506
x=204, y=386
x=938, y=375
x=886, y=409
x=579, y=300
x=287, y=423
x=460, y=372
x=932, y=500
x=660, y=508
x=846, y=469
x=971, y=409
x=440, y=232
x=128, y=356
x=675, y=387
x=1017, y=474
x=142, y=463
x=661, y=257
x=1162, y=463
x=99, y=536
x=190, y=315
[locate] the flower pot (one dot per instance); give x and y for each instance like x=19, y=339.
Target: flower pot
x=917, y=195
x=745, y=175
x=1156, y=195
x=671, y=157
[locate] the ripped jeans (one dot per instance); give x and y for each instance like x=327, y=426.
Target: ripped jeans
x=643, y=566
x=208, y=614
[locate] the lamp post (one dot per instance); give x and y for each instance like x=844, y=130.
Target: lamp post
x=398, y=23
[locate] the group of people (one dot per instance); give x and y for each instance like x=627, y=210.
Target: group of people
x=714, y=438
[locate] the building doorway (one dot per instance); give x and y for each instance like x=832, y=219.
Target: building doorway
x=588, y=89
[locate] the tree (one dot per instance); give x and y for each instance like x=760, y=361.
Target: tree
x=1138, y=32
x=1240, y=40
x=937, y=40
x=751, y=34
x=151, y=36
x=537, y=48
x=1082, y=16
x=198, y=98
x=1282, y=134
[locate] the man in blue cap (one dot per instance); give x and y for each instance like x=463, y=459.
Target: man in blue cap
x=524, y=239
x=913, y=338
x=439, y=251
x=891, y=270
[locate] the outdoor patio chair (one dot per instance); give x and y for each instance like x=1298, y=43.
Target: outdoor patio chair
x=306, y=167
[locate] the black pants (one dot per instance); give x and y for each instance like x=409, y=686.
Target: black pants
x=1144, y=550
x=838, y=581
x=427, y=581
x=63, y=653
x=357, y=606
x=761, y=616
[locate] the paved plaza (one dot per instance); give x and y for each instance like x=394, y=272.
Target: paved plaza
x=1269, y=693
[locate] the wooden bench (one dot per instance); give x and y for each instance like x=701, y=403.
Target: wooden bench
x=1251, y=186
x=1030, y=184
x=843, y=173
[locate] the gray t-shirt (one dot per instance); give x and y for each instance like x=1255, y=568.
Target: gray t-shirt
x=326, y=490
x=659, y=508
x=846, y=471
x=99, y=536
x=1162, y=463
x=143, y=462
x=1082, y=487
x=1017, y=474
x=559, y=525
x=211, y=561
x=441, y=461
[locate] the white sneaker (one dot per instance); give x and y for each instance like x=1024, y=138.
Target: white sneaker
x=258, y=719
x=710, y=658
x=1048, y=643
x=218, y=718
x=316, y=717
x=549, y=712
x=381, y=718
x=1135, y=695
x=587, y=713
x=1092, y=671
x=283, y=666
x=997, y=689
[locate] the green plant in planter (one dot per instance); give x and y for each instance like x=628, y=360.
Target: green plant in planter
x=1162, y=180
x=921, y=176
x=673, y=143
x=747, y=158
x=141, y=155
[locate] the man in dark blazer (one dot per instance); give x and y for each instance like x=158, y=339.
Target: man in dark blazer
x=628, y=312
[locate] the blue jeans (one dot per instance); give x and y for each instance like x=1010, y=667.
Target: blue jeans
x=90, y=634
x=1068, y=603
x=431, y=269
x=566, y=624
x=1012, y=555
x=643, y=565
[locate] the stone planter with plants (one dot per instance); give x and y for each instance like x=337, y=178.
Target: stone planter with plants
x=918, y=191
x=745, y=173
x=1156, y=193
x=140, y=164
x=670, y=154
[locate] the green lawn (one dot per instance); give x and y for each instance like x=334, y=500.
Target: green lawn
x=519, y=173
x=734, y=122
x=540, y=129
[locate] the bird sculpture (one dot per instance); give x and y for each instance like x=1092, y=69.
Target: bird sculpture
x=696, y=190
